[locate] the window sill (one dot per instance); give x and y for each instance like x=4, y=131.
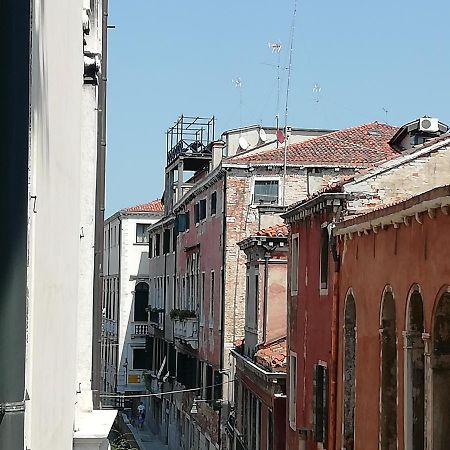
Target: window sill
x=141, y=243
x=323, y=292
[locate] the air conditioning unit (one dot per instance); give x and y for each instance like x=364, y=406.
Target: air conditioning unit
x=428, y=124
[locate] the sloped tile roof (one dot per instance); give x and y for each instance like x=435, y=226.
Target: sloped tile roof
x=153, y=206
x=273, y=355
x=361, y=146
x=279, y=230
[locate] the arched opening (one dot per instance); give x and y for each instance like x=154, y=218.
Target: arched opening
x=388, y=409
x=441, y=374
x=414, y=375
x=349, y=373
x=141, y=302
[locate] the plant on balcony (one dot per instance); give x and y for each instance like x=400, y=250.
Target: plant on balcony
x=182, y=314
x=151, y=309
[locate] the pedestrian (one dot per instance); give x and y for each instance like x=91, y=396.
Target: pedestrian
x=141, y=414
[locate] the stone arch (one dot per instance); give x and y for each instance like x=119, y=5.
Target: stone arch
x=440, y=363
x=349, y=372
x=140, y=302
x=388, y=379
x=414, y=386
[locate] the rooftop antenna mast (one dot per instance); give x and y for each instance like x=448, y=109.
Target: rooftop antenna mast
x=238, y=85
x=386, y=113
x=291, y=50
x=276, y=48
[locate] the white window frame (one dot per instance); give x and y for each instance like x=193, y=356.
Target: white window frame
x=293, y=390
x=280, y=191
x=211, y=298
x=294, y=264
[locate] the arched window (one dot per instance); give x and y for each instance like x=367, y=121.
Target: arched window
x=441, y=374
x=388, y=410
x=141, y=302
x=414, y=374
x=349, y=373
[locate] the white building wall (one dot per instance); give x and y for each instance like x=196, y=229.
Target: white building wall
x=63, y=147
x=55, y=176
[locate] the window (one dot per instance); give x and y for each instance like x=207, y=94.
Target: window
x=141, y=233
x=140, y=359
x=140, y=302
x=265, y=191
x=202, y=209
x=211, y=302
x=188, y=220
x=292, y=390
x=213, y=205
x=150, y=247
x=294, y=264
x=196, y=213
x=166, y=241
x=320, y=389
x=324, y=242
x=157, y=244
x=202, y=300
x=174, y=239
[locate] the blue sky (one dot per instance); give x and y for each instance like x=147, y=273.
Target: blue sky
x=180, y=57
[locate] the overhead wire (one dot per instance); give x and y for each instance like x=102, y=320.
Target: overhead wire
x=163, y=393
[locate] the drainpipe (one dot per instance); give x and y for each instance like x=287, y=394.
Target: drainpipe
x=222, y=305
x=99, y=213
x=14, y=128
x=266, y=293
x=334, y=341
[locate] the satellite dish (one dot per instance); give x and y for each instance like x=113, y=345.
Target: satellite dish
x=262, y=135
x=280, y=136
x=243, y=143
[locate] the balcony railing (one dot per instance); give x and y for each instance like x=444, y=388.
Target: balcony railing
x=141, y=329
x=187, y=330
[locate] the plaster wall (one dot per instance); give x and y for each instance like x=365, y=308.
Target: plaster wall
x=396, y=180
x=309, y=323
x=399, y=258
x=55, y=177
x=134, y=268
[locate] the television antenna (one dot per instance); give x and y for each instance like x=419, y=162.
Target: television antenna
x=386, y=113
x=316, y=90
x=288, y=84
x=238, y=85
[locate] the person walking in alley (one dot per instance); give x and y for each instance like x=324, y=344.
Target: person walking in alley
x=141, y=414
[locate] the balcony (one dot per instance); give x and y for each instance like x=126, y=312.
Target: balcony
x=140, y=330
x=186, y=330
x=109, y=326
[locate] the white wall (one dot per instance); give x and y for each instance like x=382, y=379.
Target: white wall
x=54, y=234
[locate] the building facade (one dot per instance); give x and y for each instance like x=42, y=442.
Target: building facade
x=393, y=342
x=259, y=418
x=317, y=327
x=211, y=203
x=53, y=182
x=125, y=297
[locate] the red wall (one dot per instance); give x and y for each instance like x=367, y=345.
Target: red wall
x=309, y=319
x=400, y=258
x=207, y=234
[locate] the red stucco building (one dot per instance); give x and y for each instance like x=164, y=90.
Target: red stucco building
x=394, y=334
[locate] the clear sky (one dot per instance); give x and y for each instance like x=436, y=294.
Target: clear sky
x=180, y=57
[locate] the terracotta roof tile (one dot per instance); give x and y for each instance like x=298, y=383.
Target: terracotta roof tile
x=361, y=146
x=279, y=230
x=153, y=206
x=273, y=355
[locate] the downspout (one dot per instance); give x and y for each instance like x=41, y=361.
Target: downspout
x=222, y=299
x=266, y=293
x=118, y=303
x=334, y=338
x=15, y=87
x=99, y=213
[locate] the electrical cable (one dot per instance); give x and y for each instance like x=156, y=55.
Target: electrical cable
x=163, y=393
